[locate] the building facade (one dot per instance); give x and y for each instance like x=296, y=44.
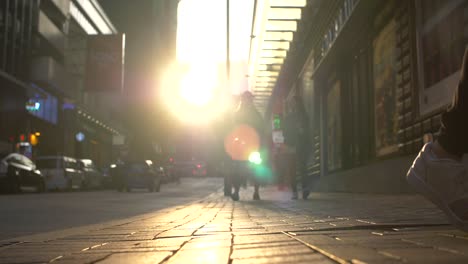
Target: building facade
x=42, y=93
x=374, y=76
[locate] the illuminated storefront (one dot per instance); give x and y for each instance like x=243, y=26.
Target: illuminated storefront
x=374, y=77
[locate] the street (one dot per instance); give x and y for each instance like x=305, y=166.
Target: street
x=34, y=213
x=194, y=222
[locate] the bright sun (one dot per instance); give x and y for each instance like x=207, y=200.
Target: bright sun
x=198, y=84
x=195, y=85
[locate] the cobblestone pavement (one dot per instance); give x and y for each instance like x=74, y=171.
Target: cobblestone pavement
x=328, y=228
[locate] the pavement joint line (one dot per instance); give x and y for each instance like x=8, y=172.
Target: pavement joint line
x=367, y=227
x=454, y=236
x=56, y=258
x=453, y=251
x=231, y=250
x=357, y=261
x=321, y=251
x=165, y=260
x=413, y=242
x=449, y=250
x=95, y=246
x=7, y=245
x=391, y=256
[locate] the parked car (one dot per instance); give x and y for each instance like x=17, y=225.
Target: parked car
x=106, y=177
x=183, y=168
x=161, y=173
x=18, y=172
x=92, y=177
x=136, y=174
x=199, y=169
x=60, y=172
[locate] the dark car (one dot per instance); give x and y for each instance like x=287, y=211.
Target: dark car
x=199, y=169
x=106, y=177
x=18, y=172
x=136, y=175
x=192, y=168
x=92, y=177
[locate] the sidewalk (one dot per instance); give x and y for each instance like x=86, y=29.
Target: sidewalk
x=328, y=228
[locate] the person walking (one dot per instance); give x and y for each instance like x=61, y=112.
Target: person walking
x=296, y=138
x=247, y=136
x=439, y=172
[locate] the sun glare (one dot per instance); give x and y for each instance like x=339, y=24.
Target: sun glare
x=190, y=96
x=195, y=84
x=198, y=85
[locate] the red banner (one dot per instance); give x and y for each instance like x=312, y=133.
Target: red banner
x=105, y=63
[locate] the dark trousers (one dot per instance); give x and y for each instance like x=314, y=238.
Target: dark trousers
x=300, y=164
x=242, y=172
x=454, y=128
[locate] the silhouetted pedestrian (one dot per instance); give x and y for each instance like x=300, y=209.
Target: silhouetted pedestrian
x=296, y=137
x=246, y=137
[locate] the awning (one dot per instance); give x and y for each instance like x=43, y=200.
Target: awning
x=273, y=30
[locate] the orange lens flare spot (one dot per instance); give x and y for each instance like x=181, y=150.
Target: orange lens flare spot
x=241, y=142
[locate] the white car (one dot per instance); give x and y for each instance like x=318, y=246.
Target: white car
x=60, y=172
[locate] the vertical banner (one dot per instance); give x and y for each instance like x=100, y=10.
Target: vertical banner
x=385, y=99
x=105, y=63
x=334, y=131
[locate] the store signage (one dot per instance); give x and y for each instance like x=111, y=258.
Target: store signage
x=278, y=137
x=33, y=106
x=334, y=29
x=105, y=60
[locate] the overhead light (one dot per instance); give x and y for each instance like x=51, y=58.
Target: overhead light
x=281, y=25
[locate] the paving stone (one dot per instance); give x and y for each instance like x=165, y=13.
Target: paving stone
x=202, y=256
x=177, y=233
x=250, y=239
x=270, y=251
x=218, y=230
x=28, y=257
x=162, y=242
x=205, y=243
x=265, y=244
x=141, y=258
x=425, y=255
x=306, y=258
x=81, y=258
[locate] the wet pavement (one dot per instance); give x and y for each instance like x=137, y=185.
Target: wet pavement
x=327, y=228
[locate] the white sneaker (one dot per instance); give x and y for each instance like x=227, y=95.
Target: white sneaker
x=442, y=181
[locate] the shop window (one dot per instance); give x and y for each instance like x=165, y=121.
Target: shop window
x=334, y=133
x=385, y=83
x=443, y=44
x=45, y=106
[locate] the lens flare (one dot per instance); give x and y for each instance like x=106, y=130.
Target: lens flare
x=255, y=158
x=241, y=142
x=261, y=172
